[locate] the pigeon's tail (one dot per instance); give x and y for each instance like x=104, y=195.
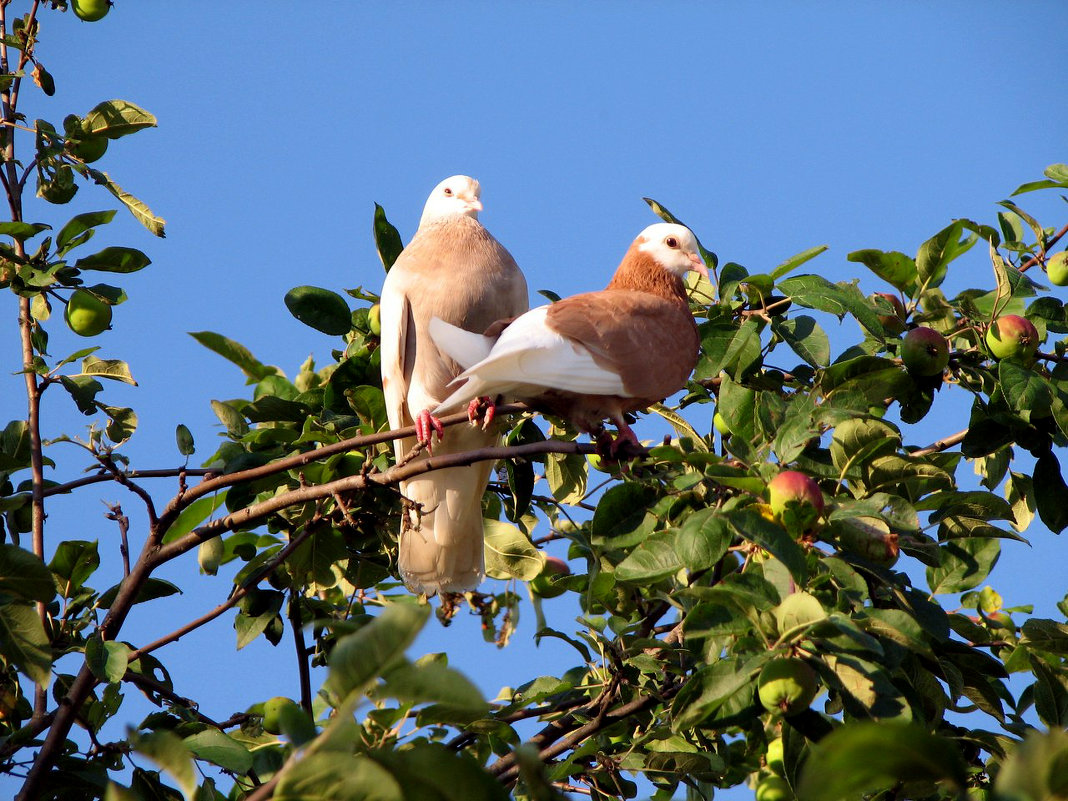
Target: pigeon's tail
x=441, y=549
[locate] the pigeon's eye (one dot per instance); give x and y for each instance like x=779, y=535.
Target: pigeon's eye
x=671, y=242
x=448, y=192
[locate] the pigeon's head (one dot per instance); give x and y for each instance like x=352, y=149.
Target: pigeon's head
x=456, y=195
x=673, y=247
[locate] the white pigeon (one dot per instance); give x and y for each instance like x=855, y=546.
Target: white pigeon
x=453, y=269
x=593, y=356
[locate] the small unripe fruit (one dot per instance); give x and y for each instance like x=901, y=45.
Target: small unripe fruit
x=90, y=10
x=273, y=710
x=374, y=319
x=892, y=323
x=925, y=352
x=88, y=150
x=870, y=538
x=775, y=757
x=210, y=555
x=794, y=493
x=773, y=788
x=719, y=422
x=787, y=685
x=543, y=585
x=1012, y=337
x=86, y=314
x=1057, y=268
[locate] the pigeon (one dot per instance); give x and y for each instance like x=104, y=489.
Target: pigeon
x=454, y=270
x=594, y=356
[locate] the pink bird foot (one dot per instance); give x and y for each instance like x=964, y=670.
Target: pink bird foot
x=625, y=443
x=426, y=425
x=481, y=410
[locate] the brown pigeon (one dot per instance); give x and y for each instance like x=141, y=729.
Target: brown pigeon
x=453, y=269
x=593, y=356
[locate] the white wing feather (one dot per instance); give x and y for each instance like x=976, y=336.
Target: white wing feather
x=531, y=356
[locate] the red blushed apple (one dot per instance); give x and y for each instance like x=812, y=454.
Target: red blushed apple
x=892, y=323
x=543, y=584
x=925, y=352
x=797, y=493
x=1012, y=337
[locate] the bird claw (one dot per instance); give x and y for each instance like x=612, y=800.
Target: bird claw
x=426, y=425
x=624, y=444
x=482, y=409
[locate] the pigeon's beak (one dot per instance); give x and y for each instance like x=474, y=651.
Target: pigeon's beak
x=474, y=204
x=697, y=265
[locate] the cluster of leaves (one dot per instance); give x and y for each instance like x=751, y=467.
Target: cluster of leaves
x=689, y=579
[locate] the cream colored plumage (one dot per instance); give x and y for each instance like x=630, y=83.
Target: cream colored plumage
x=455, y=270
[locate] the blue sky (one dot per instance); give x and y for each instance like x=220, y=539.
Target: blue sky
x=768, y=128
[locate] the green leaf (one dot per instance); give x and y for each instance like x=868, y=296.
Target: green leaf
x=334, y=776
x=1046, y=635
x=114, y=259
x=235, y=352
x=220, y=749
x=231, y=418
x=115, y=118
x=805, y=337
x=681, y=426
x=387, y=239
x=963, y=564
x=151, y=589
x=864, y=756
x=169, y=752
x=937, y=252
x=509, y=552
x=141, y=212
x=183, y=437
x=80, y=228
x=114, y=369
x=24, y=575
x=1050, y=492
x=1036, y=770
x=122, y=424
x=361, y=657
x=433, y=682
x=711, y=687
x=193, y=515
x=73, y=563
x=566, y=475
x=773, y=538
x=895, y=268
x=320, y=308
x=22, y=230
x=623, y=512
x=24, y=643
x=107, y=659
x=796, y=261
x=697, y=545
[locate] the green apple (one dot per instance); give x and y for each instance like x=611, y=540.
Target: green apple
x=892, y=323
x=794, y=492
x=774, y=788
x=86, y=314
x=870, y=538
x=210, y=555
x=719, y=422
x=544, y=585
x=925, y=352
x=787, y=685
x=1057, y=268
x=1012, y=337
x=90, y=10
x=273, y=710
x=89, y=149
x=374, y=319
x=774, y=758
